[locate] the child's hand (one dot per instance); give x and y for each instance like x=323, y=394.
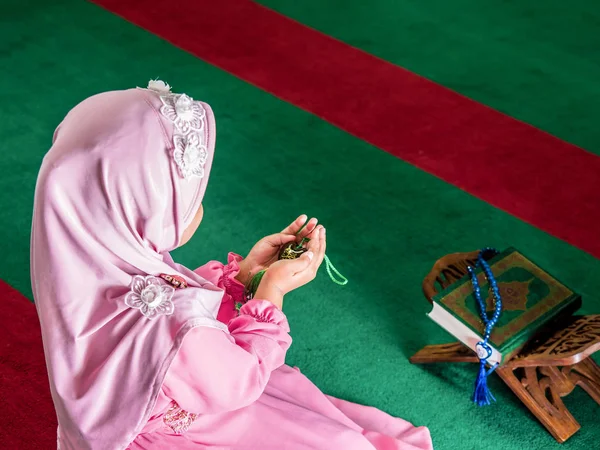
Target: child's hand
x=286, y=275
x=266, y=251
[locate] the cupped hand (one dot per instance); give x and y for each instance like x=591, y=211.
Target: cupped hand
x=286, y=275
x=266, y=251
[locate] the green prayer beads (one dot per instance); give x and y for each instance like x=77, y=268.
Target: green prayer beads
x=294, y=250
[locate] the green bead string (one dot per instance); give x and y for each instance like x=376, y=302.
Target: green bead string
x=252, y=286
x=330, y=268
x=300, y=246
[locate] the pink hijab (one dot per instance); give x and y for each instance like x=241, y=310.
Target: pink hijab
x=124, y=178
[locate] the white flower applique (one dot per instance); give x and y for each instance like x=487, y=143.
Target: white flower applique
x=184, y=112
x=189, y=122
x=190, y=155
x=150, y=296
x=159, y=86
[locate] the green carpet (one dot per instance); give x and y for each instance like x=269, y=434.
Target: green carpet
x=536, y=61
x=387, y=221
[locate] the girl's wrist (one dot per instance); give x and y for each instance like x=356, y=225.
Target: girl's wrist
x=270, y=292
x=243, y=275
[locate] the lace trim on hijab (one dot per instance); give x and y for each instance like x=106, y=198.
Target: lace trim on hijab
x=189, y=121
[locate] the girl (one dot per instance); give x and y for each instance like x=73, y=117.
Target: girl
x=143, y=353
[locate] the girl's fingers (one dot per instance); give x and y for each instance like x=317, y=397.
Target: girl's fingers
x=280, y=239
x=323, y=243
x=296, y=225
x=315, y=242
x=315, y=245
x=300, y=264
x=320, y=254
x=308, y=229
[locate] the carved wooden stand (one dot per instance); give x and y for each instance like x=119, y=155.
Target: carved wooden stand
x=544, y=371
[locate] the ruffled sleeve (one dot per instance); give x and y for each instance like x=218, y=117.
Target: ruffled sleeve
x=216, y=372
x=228, y=280
x=223, y=276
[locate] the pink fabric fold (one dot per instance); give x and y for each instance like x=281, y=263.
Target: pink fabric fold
x=249, y=400
x=110, y=203
x=229, y=282
x=224, y=276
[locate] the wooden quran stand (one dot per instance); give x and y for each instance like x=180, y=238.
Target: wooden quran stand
x=544, y=371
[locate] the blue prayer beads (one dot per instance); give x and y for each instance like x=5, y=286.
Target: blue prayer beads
x=482, y=395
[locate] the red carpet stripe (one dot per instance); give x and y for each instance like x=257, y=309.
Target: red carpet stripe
x=513, y=166
x=26, y=411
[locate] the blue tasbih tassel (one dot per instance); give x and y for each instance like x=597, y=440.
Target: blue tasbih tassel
x=482, y=395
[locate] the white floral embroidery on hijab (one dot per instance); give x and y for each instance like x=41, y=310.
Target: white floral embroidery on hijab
x=150, y=296
x=183, y=111
x=159, y=86
x=189, y=121
x=190, y=155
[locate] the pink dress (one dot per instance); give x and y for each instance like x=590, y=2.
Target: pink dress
x=234, y=391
